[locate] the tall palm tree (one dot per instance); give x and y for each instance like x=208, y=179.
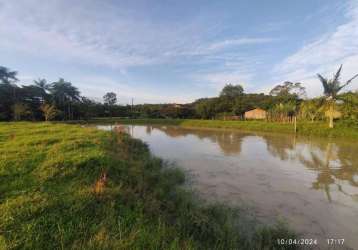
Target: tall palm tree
x=64, y=95
x=331, y=88
x=43, y=86
x=42, y=83
x=7, y=76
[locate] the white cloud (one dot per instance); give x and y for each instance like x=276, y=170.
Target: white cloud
x=324, y=55
x=234, y=69
x=99, y=33
x=218, y=80
x=115, y=36
x=95, y=86
x=89, y=32
x=237, y=42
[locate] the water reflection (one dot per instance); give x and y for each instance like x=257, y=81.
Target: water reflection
x=332, y=162
x=311, y=182
x=333, y=166
x=229, y=142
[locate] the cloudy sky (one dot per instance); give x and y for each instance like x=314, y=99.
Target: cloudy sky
x=177, y=51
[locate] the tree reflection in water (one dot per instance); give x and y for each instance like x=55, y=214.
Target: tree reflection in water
x=228, y=141
x=334, y=163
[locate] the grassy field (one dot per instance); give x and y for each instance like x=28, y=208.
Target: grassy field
x=321, y=129
x=70, y=187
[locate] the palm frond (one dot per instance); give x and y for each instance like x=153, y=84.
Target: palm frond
x=348, y=82
x=337, y=75
x=325, y=84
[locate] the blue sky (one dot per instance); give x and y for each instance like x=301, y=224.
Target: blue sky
x=178, y=51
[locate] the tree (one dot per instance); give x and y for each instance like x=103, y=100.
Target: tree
x=349, y=106
x=8, y=92
x=64, y=95
x=232, y=91
x=110, y=99
x=20, y=110
x=7, y=76
x=331, y=88
x=289, y=88
x=311, y=109
x=204, y=108
x=43, y=86
x=8, y=97
x=283, y=111
x=49, y=111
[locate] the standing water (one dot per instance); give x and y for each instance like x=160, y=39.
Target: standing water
x=310, y=182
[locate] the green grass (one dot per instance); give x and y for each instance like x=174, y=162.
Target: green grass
x=321, y=129
x=48, y=200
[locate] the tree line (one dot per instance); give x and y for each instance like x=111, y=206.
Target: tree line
x=61, y=100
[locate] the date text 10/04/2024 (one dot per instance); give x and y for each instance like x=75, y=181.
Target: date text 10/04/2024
x=308, y=241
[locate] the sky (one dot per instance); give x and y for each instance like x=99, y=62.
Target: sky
x=171, y=51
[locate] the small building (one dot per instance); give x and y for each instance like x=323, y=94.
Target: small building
x=256, y=114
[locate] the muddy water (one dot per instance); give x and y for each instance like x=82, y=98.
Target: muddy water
x=312, y=183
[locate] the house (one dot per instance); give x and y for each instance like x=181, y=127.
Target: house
x=256, y=114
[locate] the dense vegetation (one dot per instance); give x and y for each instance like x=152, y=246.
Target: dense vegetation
x=69, y=187
x=61, y=100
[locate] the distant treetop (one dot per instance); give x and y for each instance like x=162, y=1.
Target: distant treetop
x=7, y=76
x=110, y=98
x=232, y=91
x=289, y=88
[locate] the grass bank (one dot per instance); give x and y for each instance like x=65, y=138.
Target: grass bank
x=321, y=129
x=69, y=187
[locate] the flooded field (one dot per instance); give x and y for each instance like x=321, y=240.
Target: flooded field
x=311, y=183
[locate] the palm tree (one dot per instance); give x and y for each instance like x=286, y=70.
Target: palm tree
x=7, y=76
x=64, y=96
x=42, y=83
x=331, y=88
x=49, y=111
x=310, y=109
x=43, y=86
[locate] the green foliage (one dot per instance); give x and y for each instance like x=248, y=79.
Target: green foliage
x=288, y=89
x=205, y=108
x=231, y=91
x=20, y=111
x=283, y=111
x=283, y=103
x=7, y=76
x=311, y=109
x=49, y=111
x=48, y=199
x=349, y=105
x=332, y=86
x=110, y=98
